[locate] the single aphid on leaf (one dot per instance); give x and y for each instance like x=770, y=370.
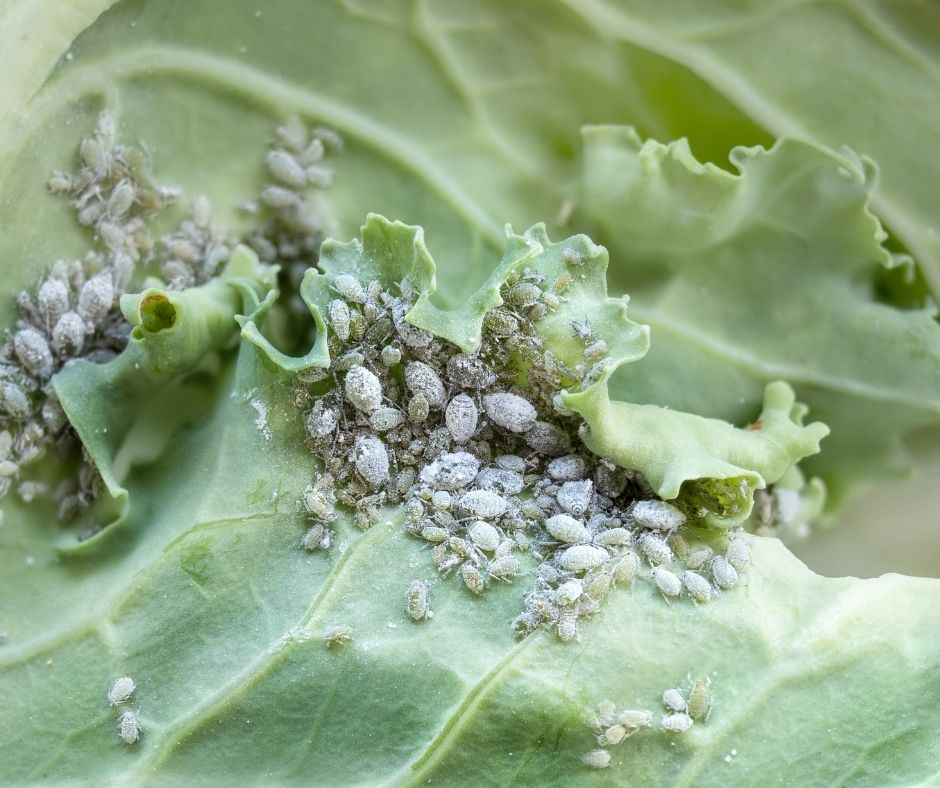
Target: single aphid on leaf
x=121, y=690
x=128, y=727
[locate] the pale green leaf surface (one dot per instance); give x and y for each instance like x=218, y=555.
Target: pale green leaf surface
x=758, y=275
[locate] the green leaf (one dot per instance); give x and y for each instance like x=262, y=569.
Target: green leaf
x=758, y=275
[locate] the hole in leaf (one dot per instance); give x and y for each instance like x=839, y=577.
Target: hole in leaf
x=157, y=313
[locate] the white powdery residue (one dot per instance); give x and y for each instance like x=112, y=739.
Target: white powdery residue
x=261, y=421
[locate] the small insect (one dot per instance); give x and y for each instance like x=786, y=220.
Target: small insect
x=724, y=573
x=567, y=625
x=596, y=350
x=503, y=568
x=339, y=318
x=596, y=759
x=52, y=301
x=582, y=557
x=566, y=528
x=575, y=496
x=569, y=592
x=318, y=537
x=626, y=567
x=614, y=735
x=418, y=409
x=390, y=355
x=700, y=699
x=386, y=419
x=697, y=558
x=569, y=468
x=677, y=722
x=33, y=352
x=371, y=459
x=614, y=537
x=738, y=555
x=338, y=635
x=461, y=418
x=350, y=288
x=674, y=700
x=483, y=503
x=599, y=585
x=667, y=583
x=658, y=515
x=696, y=586
x=128, y=727
x=363, y=389
x=510, y=411
x=635, y=718
x=422, y=379
x=582, y=331
x=286, y=169
x=435, y=534
x=417, y=601
x=655, y=549
x=320, y=498
x=472, y=578
x=484, y=536
x=121, y=690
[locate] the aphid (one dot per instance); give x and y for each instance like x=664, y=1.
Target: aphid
x=33, y=352
x=634, y=719
x=568, y=468
x=278, y=197
x=338, y=635
x=677, y=722
x=357, y=325
x=696, y=586
x=350, y=288
x=484, y=536
x=422, y=379
x=582, y=557
x=95, y=298
x=472, y=578
x=451, y=471
x=286, y=169
x=614, y=537
x=551, y=300
x=484, y=503
x=59, y=183
x=567, y=625
x=441, y=500
x=562, y=283
x=385, y=419
x=128, y=727
x=605, y=714
x=202, y=211
x=582, y=331
x=314, y=538
x=320, y=498
x=572, y=256
x=575, y=497
x=418, y=409
x=596, y=350
x=411, y=335
x=509, y=411
x=738, y=554
x=599, y=585
x=674, y=700
x=657, y=515
x=569, y=592
x=469, y=372
x=339, y=318
x=417, y=601
x=435, y=534
x=501, y=481
x=380, y=328
x=566, y=528
x=548, y=439
x=614, y=735
x=363, y=389
x=371, y=458
x=596, y=759
x=121, y=690
x=654, y=548
x=667, y=583
x=504, y=567
x=68, y=335
x=461, y=418
x=500, y=323
x=700, y=700
x=626, y=567
x=390, y=355
x=52, y=301
x=523, y=294
x=724, y=573
x=13, y=400
x=698, y=557
x=348, y=360
x=505, y=547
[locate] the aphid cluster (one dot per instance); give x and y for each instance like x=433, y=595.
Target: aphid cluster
x=484, y=470
x=128, y=723
x=610, y=727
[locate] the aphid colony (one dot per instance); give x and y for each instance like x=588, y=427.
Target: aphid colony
x=610, y=727
x=128, y=724
x=484, y=469
x=74, y=311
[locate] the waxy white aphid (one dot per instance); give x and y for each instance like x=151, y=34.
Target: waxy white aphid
x=738, y=554
x=724, y=573
x=605, y=714
x=8, y=468
x=484, y=536
x=509, y=411
x=128, y=727
x=568, y=468
x=700, y=699
x=654, y=548
x=422, y=379
x=320, y=498
x=461, y=418
x=33, y=352
x=441, y=500
x=599, y=585
x=371, y=458
x=13, y=400
x=363, y=389
x=435, y=534
x=338, y=635
x=321, y=421
x=202, y=211
x=614, y=735
x=411, y=335
x=385, y=419
x=484, y=503
x=548, y=439
x=523, y=294
x=451, y=471
x=121, y=690
x=567, y=625
x=286, y=169
x=668, y=584
x=614, y=537
x=596, y=350
x=278, y=197
x=569, y=592
x=697, y=558
x=350, y=288
x=635, y=718
x=504, y=567
x=596, y=759
x=418, y=601
x=472, y=578
x=500, y=480
x=469, y=372
x=674, y=700
x=348, y=360
x=418, y=409
x=566, y=528
x=339, y=318
x=582, y=557
x=696, y=586
x=658, y=515
x=572, y=256
x=575, y=497
x=318, y=537
x=391, y=355
x=677, y=722
x=52, y=300
x=626, y=567
x=95, y=298
x=68, y=335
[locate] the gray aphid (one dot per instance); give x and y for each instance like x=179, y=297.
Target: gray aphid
x=33, y=352
x=575, y=497
x=385, y=419
x=418, y=409
x=548, y=439
x=390, y=355
x=500, y=480
x=696, y=586
x=339, y=318
x=484, y=503
x=350, y=288
x=569, y=592
x=504, y=567
x=626, y=567
x=568, y=468
x=13, y=400
x=724, y=573
x=337, y=635
x=582, y=557
x=677, y=722
x=698, y=557
x=422, y=379
x=95, y=298
x=566, y=528
x=321, y=421
x=667, y=582
x=411, y=335
x=635, y=718
x=417, y=601
x=451, y=471
x=469, y=372
x=484, y=536
x=614, y=537
x=68, y=335
x=121, y=690
x=278, y=197
x=371, y=458
x=129, y=729
x=674, y=700
x=52, y=301
x=286, y=169
x=596, y=759
x=461, y=418
x=510, y=462
x=658, y=515
x=348, y=360
x=472, y=578
x=738, y=554
x=654, y=548
x=363, y=389
x=510, y=411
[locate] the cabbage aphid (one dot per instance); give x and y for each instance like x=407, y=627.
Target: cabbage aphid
x=418, y=601
x=121, y=690
x=128, y=727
